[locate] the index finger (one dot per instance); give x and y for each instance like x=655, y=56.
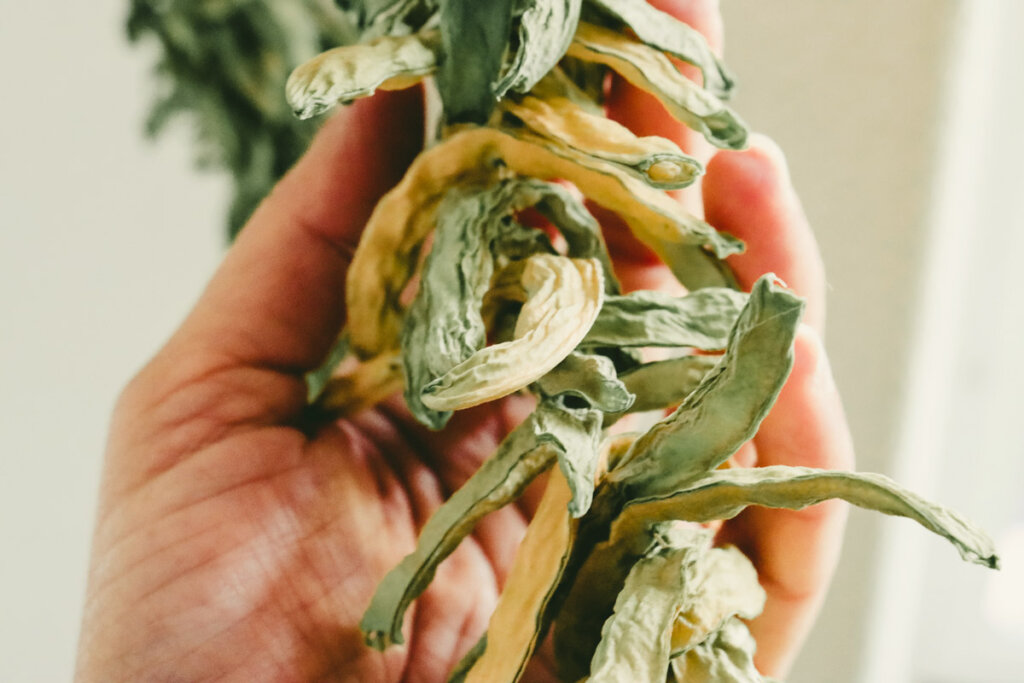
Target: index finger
x=749, y=194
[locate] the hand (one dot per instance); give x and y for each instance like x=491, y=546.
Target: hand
x=229, y=545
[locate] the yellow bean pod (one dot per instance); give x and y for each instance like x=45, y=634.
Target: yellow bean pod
x=563, y=297
x=365, y=385
x=536, y=571
x=347, y=73
x=386, y=256
x=657, y=161
x=653, y=216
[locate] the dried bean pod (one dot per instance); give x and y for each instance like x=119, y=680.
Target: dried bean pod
x=563, y=297
x=651, y=71
x=657, y=161
x=344, y=74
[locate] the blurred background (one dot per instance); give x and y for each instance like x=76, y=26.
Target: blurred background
x=901, y=124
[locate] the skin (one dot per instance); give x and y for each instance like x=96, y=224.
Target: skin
x=232, y=546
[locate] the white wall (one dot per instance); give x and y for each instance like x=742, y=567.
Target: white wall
x=962, y=439
x=853, y=91
x=901, y=121
x=105, y=240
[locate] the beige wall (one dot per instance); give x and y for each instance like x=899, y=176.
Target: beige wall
x=105, y=242
x=853, y=92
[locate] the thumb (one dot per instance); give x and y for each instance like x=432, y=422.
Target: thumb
x=278, y=299
x=275, y=306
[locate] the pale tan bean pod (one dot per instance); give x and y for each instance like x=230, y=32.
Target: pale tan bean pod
x=724, y=493
x=652, y=215
x=563, y=298
x=347, y=73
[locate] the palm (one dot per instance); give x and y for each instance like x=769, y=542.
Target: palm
x=268, y=545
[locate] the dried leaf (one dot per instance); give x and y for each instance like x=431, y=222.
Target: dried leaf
x=725, y=657
x=567, y=214
x=563, y=298
x=636, y=638
x=535, y=574
x=664, y=32
x=588, y=377
x=712, y=422
x=654, y=218
x=695, y=268
x=443, y=326
x=657, y=161
x=712, y=586
x=474, y=38
x=344, y=74
x=590, y=592
x=726, y=586
x=374, y=18
x=651, y=71
x=725, y=410
x=723, y=494
x=665, y=384
x=515, y=242
x=581, y=231
x=546, y=28
x=578, y=432
x=701, y=319
x=526, y=452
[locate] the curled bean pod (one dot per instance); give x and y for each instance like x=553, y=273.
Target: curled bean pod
x=563, y=297
x=344, y=74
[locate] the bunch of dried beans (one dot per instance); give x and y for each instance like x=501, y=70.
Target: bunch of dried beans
x=615, y=561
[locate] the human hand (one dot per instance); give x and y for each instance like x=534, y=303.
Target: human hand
x=229, y=544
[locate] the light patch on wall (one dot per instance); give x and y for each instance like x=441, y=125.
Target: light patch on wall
x=1004, y=594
